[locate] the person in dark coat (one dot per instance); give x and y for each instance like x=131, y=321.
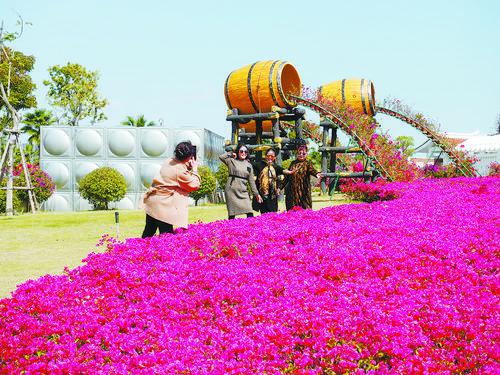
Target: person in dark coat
x=238, y=201
x=269, y=181
x=298, y=189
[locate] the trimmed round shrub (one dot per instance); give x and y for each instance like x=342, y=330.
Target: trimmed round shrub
x=102, y=186
x=41, y=181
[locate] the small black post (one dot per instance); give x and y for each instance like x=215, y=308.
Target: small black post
x=276, y=134
x=235, y=128
x=324, y=155
x=298, y=128
x=258, y=140
x=333, y=159
x=117, y=222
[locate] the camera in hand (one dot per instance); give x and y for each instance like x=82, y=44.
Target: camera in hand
x=193, y=151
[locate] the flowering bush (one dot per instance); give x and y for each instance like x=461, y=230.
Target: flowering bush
x=463, y=162
x=41, y=181
x=494, y=169
x=441, y=171
x=384, y=152
x=408, y=286
x=368, y=192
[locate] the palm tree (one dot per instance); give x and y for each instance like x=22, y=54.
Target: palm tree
x=33, y=121
x=140, y=122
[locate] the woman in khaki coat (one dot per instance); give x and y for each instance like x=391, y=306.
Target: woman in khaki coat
x=240, y=173
x=166, y=201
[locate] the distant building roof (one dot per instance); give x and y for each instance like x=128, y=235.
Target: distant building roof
x=482, y=143
x=455, y=135
x=456, y=141
x=473, y=142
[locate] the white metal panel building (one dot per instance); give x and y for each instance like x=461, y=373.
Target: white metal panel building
x=67, y=154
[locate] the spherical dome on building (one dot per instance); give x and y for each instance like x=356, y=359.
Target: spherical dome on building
x=188, y=135
x=88, y=142
x=59, y=173
x=57, y=203
x=126, y=171
x=84, y=168
x=121, y=143
x=124, y=204
x=148, y=172
x=153, y=142
x=56, y=142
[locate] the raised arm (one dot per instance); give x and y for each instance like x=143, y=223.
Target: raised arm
x=226, y=157
x=189, y=180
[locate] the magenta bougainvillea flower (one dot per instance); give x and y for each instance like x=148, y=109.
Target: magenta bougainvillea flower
x=406, y=286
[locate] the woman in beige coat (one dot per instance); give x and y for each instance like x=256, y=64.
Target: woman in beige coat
x=166, y=201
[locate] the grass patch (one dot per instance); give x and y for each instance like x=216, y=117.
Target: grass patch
x=33, y=245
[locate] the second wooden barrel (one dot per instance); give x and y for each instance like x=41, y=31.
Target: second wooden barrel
x=356, y=93
x=257, y=87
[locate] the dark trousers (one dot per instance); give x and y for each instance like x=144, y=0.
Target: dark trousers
x=269, y=205
x=249, y=214
x=153, y=224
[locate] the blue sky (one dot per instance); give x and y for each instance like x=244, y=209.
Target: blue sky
x=169, y=60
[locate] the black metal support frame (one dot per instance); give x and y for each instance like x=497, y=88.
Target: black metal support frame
x=254, y=141
x=329, y=152
x=329, y=158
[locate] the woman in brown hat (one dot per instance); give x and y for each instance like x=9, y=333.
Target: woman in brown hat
x=166, y=201
x=298, y=189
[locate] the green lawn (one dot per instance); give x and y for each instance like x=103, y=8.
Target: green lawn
x=33, y=245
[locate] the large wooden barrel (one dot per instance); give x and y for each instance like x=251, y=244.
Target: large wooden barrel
x=356, y=93
x=251, y=126
x=257, y=87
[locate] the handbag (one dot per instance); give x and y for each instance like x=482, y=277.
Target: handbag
x=255, y=204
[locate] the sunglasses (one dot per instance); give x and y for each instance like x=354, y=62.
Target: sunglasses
x=244, y=151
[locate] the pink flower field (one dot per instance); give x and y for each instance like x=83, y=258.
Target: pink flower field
x=407, y=286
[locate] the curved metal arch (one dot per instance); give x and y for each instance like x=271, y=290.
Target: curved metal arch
x=367, y=151
x=434, y=137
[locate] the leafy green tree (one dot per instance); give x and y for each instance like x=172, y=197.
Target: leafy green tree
x=16, y=202
x=221, y=175
x=33, y=121
x=139, y=122
x=101, y=186
x=31, y=124
x=74, y=89
x=315, y=157
x=207, y=185
x=18, y=84
x=406, y=143
x=31, y=153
